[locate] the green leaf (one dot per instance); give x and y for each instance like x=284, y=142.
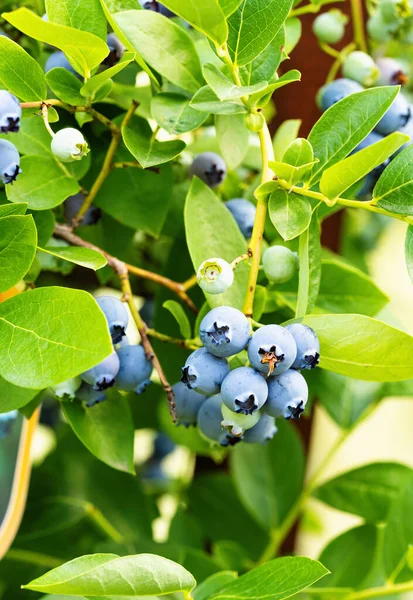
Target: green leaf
x=229, y=6
x=265, y=65
x=289, y=213
x=408, y=251
x=18, y=240
x=94, y=83
x=173, y=113
x=253, y=26
x=163, y=45
x=107, y=574
x=36, y=350
x=14, y=62
x=132, y=207
x=13, y=397
x=368, y=491
x=148, y=151
x=84, y=51
x=181, y=317
x=211, y=231
x=362, y=347
x=45, y=222
x=85, y=257
x=345, y=124
x=33, y=137
x=233, y=139
x=66, y=86
x=291, y=174
x=42, y=183
x=309, y=252
x=299, y=153
x=224, y=88
x=394, y=189
x=292, y=34
x=398, y=535
x=286, y=133
x=87, y=16
x=207, y=101
x=276, y=579
x=12, y=209
x=213, y=584
x=261, y=99
x=206, y=16
x=269, y=489
x=106, y=430
x=341, y=176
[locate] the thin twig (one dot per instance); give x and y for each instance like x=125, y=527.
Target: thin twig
x=45, y=115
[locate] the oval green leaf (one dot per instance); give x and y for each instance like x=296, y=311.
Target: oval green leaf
x=14, y=61
x=206, y=16
x=173, y=113
x=181, y=317
x=18, y=240
x=394, y=189
x=289, y=213
x=84, y=257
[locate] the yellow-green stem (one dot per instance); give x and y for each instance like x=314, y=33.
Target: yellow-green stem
x=99, y=519
x=34, y=558
x=358, y=24
x=381, y=592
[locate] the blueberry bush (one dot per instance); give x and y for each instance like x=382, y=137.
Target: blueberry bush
x=168, y=312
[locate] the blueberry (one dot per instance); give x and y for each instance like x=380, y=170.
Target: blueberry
x=287, y=395
x=204, y=372
x=4, y=34
x=378, y=29
x=225, y=331
x=397, y=116
x=215, y=275
x=280, y=264
x=209, y=422
x=335, y=91
x=116, y=50
x=153, y=473
x=6, y=421
x=72, y=205
x=408, y=130
x=308, y=346
x=391, y=72
x=360, y=67
x=116, y=316
x=156, y=7
x=87, y=394
x=58, y=59
x=187, y=404
x=272, y=350
x=330, y=26
x=238, y=423
x=262, y=432
x=10, y=113
x=134, y=370
x=9, y=162
x=67, y=389
x=209, y=167
x=243, y=212
x=69, y=145
x=163, y=445
x=244, y=390
x=102, y=376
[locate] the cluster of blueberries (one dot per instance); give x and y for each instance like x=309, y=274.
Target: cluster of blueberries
x=242, y=404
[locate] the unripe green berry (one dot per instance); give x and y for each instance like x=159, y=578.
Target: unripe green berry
x=237, y=423
x=254, y=121
x=329, y=27
x=377, y=29
x=215, y=276
x=360, y=67
x=280, y=264
x=69, y=145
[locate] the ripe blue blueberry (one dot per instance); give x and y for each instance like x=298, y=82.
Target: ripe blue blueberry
x=243, y=212
x=6, y=421
x=204, y=372
x=215, y=275
x=209, y=423
x=238, y=423
x=280, y=264
x=68, y=145
x=187, y=404
x=391, y=72
x=134, y=369
x=58, y=59
x=72, y=205
x=116, y=50
x=329, y=27
x=87, y=394
x=116, y=316
x=163, y=445
x=153, y=474
x=272, y=350
x=360, y=67
x=209, y=167
x=287, y=395
x=156, y=7
x=10, y=113
x=67, y=389
x=244, y=390
x=9, y=162
x=262, y=432
x=308, y=346
x=102, y=376
x=225, y=331
x=335, y=91
x=397, y=116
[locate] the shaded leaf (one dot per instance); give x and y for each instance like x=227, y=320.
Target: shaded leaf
x=18, y=240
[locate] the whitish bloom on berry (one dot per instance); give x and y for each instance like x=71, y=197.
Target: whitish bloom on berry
x=215, y=275
x=69, y=145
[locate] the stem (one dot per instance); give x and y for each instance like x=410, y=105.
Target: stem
x=126, y=164
x=381, y=592
x=303, y=10
x=150, y=354
x=240, y=259
x=99, y=519
x=254, y=249
x=107, y=163
x=189, y=283
x=167, y=338
x=358, y=24
x=34, y=558
x=45, y=115
x=339, y=61
x=329, y=50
